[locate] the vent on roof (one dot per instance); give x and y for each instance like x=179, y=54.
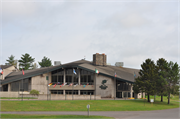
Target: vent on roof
x=119, y=64
x=57, y=63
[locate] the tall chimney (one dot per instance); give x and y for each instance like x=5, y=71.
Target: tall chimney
x=99, y=59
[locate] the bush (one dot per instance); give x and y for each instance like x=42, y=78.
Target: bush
x=34, y=92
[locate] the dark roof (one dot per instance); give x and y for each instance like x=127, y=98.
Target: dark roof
x=5, y=66
x=124, y=74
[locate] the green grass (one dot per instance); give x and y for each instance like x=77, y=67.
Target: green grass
x=51, y=116
x=18, y=98
x=158, y=98
x=80, y=105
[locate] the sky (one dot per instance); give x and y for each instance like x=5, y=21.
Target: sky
x=128, y=31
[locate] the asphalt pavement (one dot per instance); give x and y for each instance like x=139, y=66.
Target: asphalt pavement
x=156, y=114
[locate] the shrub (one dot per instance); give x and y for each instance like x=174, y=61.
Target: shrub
x=34, y=92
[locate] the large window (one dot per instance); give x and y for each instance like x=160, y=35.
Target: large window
x=86, y=77
x=56, y=91
x=123, y=86
x=87, y=92
x=70, y=75
x=57, y=76
x=70, y=92
x=17, y=85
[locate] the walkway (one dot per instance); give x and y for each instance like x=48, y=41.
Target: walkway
x=157, y=114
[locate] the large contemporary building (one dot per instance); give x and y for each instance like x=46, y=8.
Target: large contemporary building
x=76, y=78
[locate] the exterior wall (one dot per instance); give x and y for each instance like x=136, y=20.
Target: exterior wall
x=9, y=94
x=40, y=83
x=7, y=71
x=109, y=91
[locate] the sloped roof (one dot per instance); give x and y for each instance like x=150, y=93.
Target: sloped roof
x=124, y=74
x=5, y=66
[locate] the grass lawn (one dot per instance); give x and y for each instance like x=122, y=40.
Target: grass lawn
x=80, y=105
x=51, y=116
x=158, y=98
x=18, y=98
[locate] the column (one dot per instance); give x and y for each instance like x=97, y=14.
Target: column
x=9, y=87
x=64, y=78
x=79, y=92
x=79, y=77
x=131, y=91
x=122, y=94
x=64, y=92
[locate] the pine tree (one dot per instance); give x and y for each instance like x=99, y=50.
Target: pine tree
x=26, y=62
x=146, y=81
x=161, y=77
x=172, y=78
x=11, y=60
x=45, y=62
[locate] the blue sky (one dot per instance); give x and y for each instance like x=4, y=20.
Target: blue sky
x=126, y=31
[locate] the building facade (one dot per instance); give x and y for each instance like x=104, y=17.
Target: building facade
x=76, y=78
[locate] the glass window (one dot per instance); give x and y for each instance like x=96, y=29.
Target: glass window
x=87, y=92
x=54, y=79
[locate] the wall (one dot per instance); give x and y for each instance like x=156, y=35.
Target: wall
x=40, y=83
x=7, y=71
x=9, y=94
x=109, y=91
x=63, y=97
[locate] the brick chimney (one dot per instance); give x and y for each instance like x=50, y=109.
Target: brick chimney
x=99, y=59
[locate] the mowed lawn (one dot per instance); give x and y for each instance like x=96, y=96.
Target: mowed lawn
x=80, y=105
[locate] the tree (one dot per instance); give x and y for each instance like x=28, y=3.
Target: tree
x=172, y=78
x=161, y=77
x=26, y=61
x=45, y=62
x=146, y=81
x=11, y=60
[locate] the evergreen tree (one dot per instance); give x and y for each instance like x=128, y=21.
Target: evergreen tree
x=45, y=62
x=161, y=77
x=172, y=78
x=146, y=81
x=11, y=60
x=26, y=62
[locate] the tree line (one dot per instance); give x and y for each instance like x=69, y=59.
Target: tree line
x=26, y=62
x=159, y=78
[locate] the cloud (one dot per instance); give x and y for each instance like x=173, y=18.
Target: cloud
x=68, y=31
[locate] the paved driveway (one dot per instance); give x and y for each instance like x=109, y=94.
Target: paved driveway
x=158, y=114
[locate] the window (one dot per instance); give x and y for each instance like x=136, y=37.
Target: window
x=56, y=91
x=70, y=92
x=87, y=92
x=57, y=76
x=86, y=77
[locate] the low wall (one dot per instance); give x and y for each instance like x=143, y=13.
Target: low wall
x=9, y=94
x=62, y=97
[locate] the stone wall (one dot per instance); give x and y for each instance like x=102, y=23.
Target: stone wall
x=108, y=89
x=99, y=59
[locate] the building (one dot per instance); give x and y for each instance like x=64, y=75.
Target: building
x=78, y=78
